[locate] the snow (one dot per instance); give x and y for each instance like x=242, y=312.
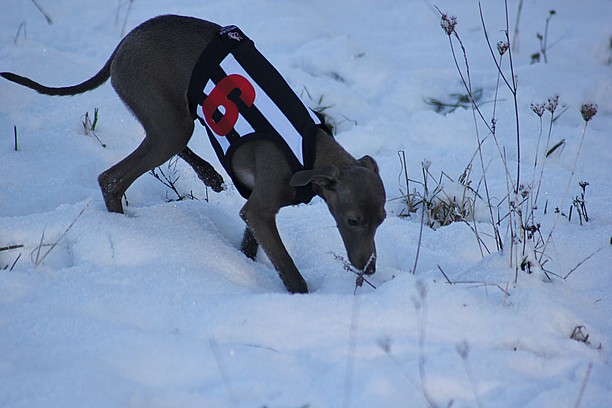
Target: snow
x=159, y=308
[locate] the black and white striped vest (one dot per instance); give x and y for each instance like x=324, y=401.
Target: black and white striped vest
x=240, y=97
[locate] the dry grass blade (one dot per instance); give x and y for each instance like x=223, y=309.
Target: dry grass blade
x=9, y=247
x=581, y=262
x=444, y=274
x=39, y=259
x=16, y=147
x=587, y=376
x=43, y=12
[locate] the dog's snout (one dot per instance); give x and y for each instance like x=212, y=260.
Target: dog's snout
x=370, y=266
x=366, y=264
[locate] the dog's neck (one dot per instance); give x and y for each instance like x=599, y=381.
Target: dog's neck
x=329, y=152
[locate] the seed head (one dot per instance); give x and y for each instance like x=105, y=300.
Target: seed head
x=552, y=103
x=588, y=110
x=502, y=47
x=524, y=190
x=448, y=23
x=538, y=108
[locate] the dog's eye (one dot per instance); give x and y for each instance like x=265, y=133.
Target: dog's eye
x=352, y=222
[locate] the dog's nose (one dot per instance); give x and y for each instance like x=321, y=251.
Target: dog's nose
x=370, y=267
x=364, y=264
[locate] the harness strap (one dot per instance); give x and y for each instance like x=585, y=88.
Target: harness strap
x=243, y=98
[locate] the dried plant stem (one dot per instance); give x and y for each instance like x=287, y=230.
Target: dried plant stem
x=43, y=12
x=476, y=110
x=21, y=29
x=15, y=262
x=514, y=90
x=9, y=247
x=360, y=273
x=550, y=126
x=127, y=14
x=515, y=35
x=569, y=182
x=584, y=385
x=402, y=157
x=416, y=257
x=513, y=186
x=544, y=40
x=444, y=274
x=534, y=197
x=581, y=262
x=510, y=84
x=40, y=259
x=89, y=126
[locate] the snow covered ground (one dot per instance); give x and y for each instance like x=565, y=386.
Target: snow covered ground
x=159, y=308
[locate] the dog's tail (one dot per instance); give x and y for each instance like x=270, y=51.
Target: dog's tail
x=92, y=83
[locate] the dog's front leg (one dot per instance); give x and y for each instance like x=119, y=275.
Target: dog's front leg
x=262, y=223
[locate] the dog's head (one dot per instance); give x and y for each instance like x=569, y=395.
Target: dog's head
x=355, y=196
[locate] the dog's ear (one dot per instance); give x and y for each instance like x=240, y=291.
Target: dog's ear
x=369, y=162
x=324, y=177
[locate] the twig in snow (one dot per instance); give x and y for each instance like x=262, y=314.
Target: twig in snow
x=40, y=244
x=38, y=259
x=588, y=111
x=89, y=126
x=448, y=24
x=446, y=277
x=15, y=262
x=9, y=247
x=49, y=21
x=349, y=268
x=515, y=35
x=425, y=166
x=543, y=39
x=127, y=14
x=581, y=262
x=15, y=138
x=21, y=29
x=584, y=385
x=170, y=181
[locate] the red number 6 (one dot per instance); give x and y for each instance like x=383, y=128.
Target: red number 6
x=219, y=97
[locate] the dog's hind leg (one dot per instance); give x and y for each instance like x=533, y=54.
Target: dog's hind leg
x=166, y=137
x=205, y=171
x=249, y=245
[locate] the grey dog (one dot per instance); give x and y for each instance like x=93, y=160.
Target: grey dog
x=151, y=70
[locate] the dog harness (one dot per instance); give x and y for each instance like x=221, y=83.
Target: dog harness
x=242, y=98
